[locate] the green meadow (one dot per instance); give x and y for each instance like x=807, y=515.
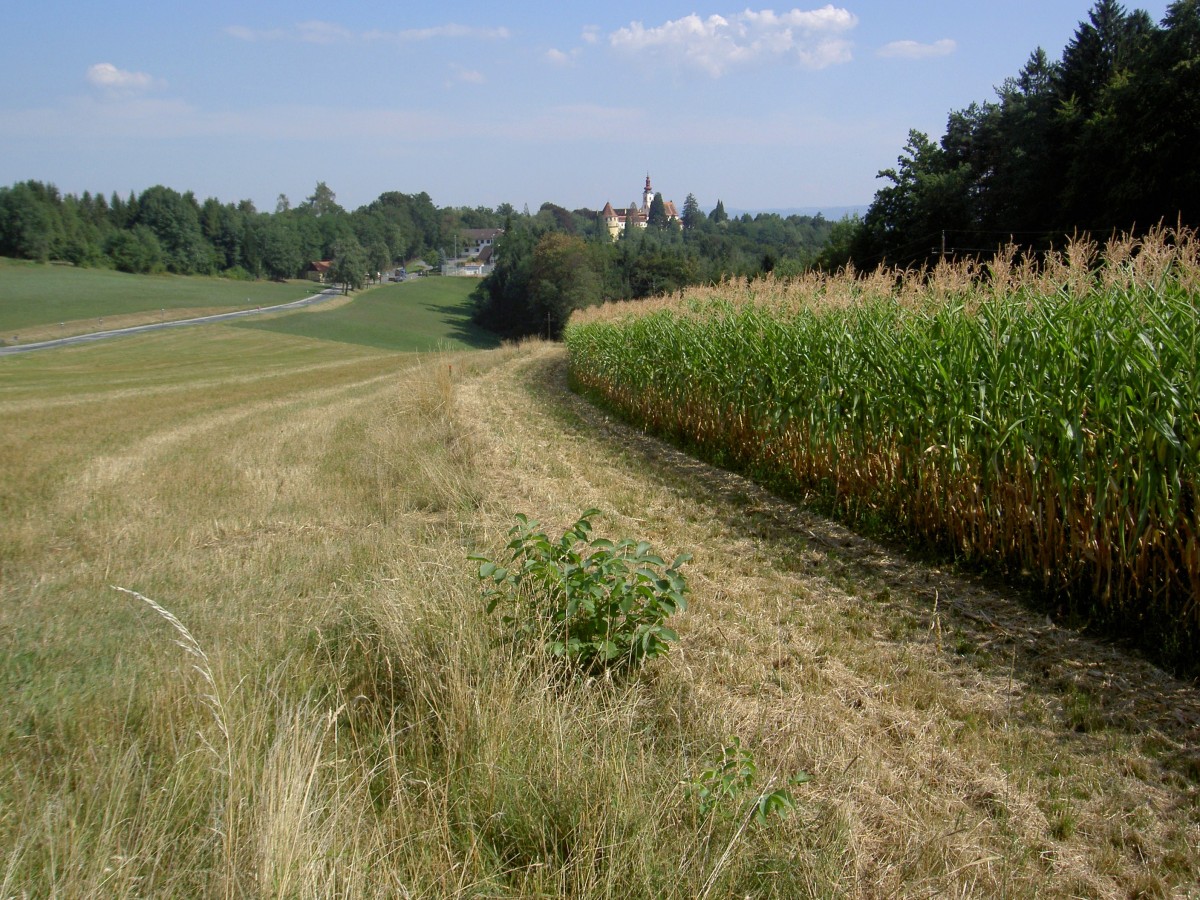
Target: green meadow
x=34, y=295
x=419, y=315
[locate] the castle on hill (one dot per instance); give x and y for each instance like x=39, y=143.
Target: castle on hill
x=617, y=219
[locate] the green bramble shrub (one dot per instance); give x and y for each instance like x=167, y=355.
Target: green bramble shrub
x=598, y=605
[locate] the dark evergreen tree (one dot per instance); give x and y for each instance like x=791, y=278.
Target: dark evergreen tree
x=1101, y=141
x=502, y=299
x=657, y=217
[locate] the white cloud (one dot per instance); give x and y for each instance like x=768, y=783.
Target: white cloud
x=813, y=38
x=242, y=33
x=916, y=50
x=557, y=57
x=317, y=32
x=119, y=82
x=461, y=75
x=311, y=32
x=145, y=119
x=441, y=31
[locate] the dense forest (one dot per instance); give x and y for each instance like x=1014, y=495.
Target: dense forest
x=1104, y=139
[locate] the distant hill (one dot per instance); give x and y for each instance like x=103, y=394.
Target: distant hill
x=832, y=213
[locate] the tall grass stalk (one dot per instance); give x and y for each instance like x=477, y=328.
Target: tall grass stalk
x=226, y=825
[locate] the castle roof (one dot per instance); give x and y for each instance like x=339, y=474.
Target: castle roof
x=635, y=214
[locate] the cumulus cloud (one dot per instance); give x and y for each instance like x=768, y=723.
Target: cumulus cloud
x=557, y=57
x=813, y=38
x=317, y=32
x=112, y=80
x=917, y=50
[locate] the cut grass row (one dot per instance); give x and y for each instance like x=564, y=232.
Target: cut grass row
x=233, y=475
x=1045, y=422
x=353, y=727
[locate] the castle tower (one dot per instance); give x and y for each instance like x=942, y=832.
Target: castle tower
x=647, y=195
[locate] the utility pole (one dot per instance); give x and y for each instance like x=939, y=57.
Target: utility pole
x=943, y=243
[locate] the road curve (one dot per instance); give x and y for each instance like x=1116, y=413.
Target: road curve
x=327, y=294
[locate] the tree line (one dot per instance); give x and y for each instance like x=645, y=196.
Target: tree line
x=162, y=230
x=1103, y=139
x=556, y=261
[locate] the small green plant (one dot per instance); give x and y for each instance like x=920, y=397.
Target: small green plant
x=731, y=779
x=596, y=604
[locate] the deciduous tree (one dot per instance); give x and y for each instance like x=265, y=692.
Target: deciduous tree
x=349, y=264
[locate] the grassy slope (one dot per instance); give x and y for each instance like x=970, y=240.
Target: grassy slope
x=419, y=315
x=32, y=294
x=305, y=507
x=223, y=472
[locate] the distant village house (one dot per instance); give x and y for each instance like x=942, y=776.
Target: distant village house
x=477, y=254
x=319, y=270
x=479, y=239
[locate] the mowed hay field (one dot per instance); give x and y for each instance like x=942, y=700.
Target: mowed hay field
x=317, y=704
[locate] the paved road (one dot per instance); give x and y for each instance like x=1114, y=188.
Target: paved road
x=327, y=294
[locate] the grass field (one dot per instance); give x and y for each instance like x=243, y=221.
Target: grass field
x=41, y=302
x=318, y=706
x=419, y=315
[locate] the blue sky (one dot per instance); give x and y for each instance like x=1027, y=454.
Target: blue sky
x=483, y=103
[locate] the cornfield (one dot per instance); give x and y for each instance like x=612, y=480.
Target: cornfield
x=1040, y=418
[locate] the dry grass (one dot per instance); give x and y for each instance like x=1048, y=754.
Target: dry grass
x=304, y=514
x=944, y=725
